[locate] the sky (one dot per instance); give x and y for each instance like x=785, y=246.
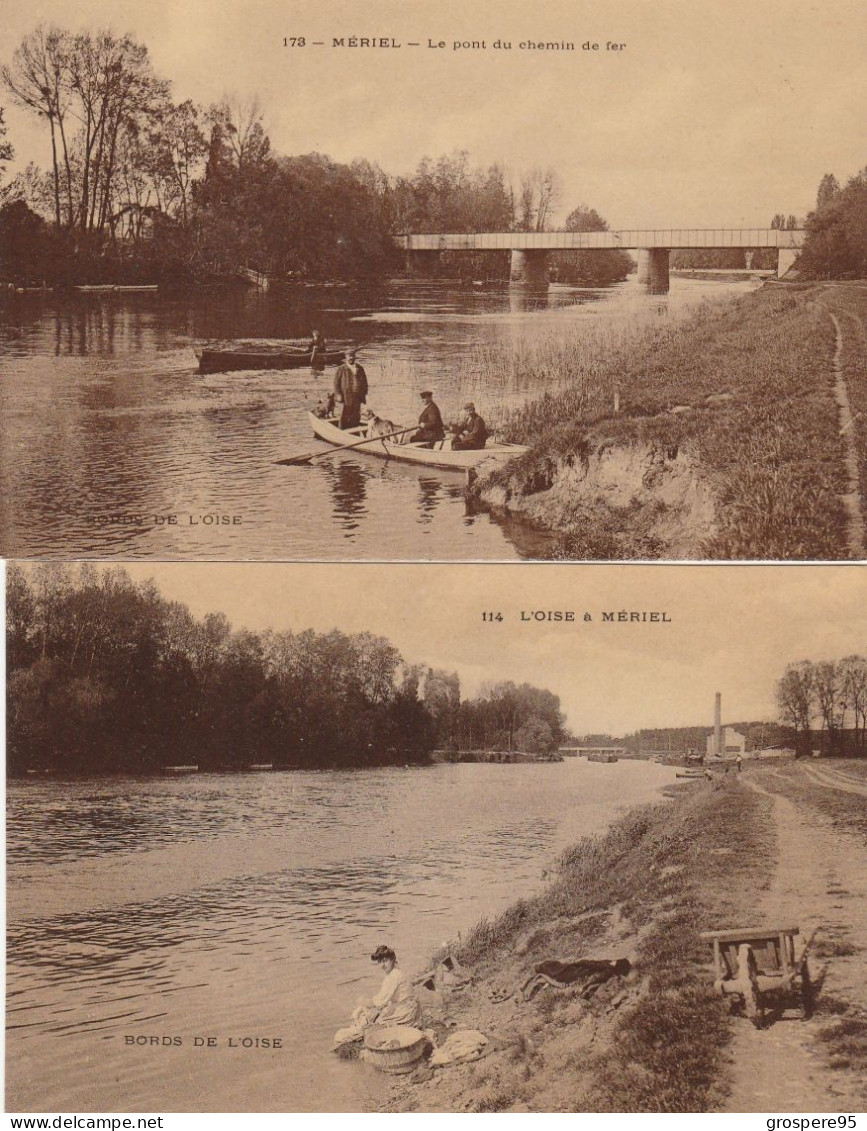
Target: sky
x=732, y=629
x=715, y=113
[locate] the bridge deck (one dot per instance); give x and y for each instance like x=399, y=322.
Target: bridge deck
x=631, y=239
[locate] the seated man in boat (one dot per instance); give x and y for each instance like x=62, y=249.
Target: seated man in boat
x=350, y=388
x=471, y=434
x=395, y=1004
x=430, y=423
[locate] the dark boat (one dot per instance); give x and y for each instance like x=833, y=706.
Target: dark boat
x=266, y=353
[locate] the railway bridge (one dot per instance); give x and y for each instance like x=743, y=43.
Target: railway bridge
x=529, y=250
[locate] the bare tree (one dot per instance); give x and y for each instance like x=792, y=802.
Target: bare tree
x=538, y=197
x=116, y=88
x=853, y=672
x=179, y=146
x=242, y=132
x=828, y=687
x=6, y=150
x=38, y=79
x=796, y=699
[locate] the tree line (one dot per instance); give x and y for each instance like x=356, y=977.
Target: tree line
x=836, y=241
x=826, y=701
x=107, y=676
x=759, y=735
x=142, y=187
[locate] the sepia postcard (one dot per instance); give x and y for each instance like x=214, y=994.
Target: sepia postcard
x=432, y=280
x=360, y=367
x=436, y=838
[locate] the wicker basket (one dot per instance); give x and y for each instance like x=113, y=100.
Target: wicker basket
x=394, y=1048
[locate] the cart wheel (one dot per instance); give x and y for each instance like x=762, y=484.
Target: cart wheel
x=748, y=974
x=807, y=998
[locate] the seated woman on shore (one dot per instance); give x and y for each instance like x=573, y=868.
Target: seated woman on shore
x=395, y=1004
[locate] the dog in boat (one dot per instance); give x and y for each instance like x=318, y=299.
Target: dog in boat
x=377, y=426
x=325, y=410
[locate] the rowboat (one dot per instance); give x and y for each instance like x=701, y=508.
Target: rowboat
x=265, y=353
x=440, y=455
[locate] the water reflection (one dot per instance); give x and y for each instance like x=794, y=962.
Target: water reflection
x=348, y=486
x=526, y=297
x=105, y=415
x=246, y=904
x=429, y=491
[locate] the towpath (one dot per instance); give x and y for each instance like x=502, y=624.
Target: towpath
x=820, y=884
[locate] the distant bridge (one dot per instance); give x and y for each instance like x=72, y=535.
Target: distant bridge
x=530, y=249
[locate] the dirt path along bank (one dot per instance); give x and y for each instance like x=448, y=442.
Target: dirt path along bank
x=820, y=884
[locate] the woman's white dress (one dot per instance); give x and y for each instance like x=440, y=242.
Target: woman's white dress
x=396, y=1001
x=395, y=1004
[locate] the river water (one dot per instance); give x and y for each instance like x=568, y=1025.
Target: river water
x=109, y=432
x=146, y=913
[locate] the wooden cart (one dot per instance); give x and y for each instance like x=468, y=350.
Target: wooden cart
x=758, y=965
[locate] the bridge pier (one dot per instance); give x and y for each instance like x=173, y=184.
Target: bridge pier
x=653, y=269
x=530, y=266
x=786, y=257
x=643, y=265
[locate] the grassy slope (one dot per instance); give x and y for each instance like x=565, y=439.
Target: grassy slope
x=770, y=450
x=652, y=1042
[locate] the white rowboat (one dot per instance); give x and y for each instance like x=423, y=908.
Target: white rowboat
x=440, y=455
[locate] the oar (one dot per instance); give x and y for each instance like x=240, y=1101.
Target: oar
x=309, y=457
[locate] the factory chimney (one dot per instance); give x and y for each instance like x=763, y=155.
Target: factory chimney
x=717, y=725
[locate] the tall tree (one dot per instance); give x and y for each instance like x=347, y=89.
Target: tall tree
x=589, y=267
x=442, y=697
x=853, y=676
x=6, y=150
x=796, y=699
x=241, y=130
x=836, y=243
x=828, y=686
x=38, y=79
x=829, y=189
x=116, y=91
x=538, y=196
x=178, y=144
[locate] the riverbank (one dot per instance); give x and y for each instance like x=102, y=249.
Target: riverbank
x=716, y=854
x=729, y=430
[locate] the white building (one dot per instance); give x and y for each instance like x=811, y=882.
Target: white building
x=731, y=742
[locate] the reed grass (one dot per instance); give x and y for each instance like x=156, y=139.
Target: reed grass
x=752, y=389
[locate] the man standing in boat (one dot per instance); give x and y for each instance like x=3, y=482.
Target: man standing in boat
x=430, y=423
x=350, y=388
x=471, y=434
